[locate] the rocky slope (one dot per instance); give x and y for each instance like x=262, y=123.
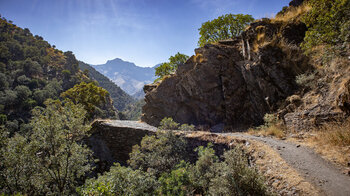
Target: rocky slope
x=235, y=82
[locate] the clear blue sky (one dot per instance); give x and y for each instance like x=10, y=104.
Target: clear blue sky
x=145, y=32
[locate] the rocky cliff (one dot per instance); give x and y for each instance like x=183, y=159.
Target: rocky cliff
x=236, y=82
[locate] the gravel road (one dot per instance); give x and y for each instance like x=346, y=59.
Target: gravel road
x=312, y=167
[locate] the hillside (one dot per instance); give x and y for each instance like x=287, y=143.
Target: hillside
x=128, y=76
x=32, y=71
x=119, y=97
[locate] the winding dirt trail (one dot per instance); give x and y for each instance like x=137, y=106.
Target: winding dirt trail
x=311, y=166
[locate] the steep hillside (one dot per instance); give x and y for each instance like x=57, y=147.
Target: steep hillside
x=31, y=71
x=128, y=76
x=236, y=82
x=119, y=97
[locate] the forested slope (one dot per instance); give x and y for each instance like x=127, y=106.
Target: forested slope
x=119, y=97
x=31, y=71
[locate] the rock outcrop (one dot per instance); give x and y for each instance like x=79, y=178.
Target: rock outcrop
x=235, y=82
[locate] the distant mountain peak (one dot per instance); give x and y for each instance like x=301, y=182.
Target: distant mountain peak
x=127, y=75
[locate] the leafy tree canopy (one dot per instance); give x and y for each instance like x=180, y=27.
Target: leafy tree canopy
x=224, y=27
x=170, y=67
x=50, y=159
x=328, y=23
x=87, y=94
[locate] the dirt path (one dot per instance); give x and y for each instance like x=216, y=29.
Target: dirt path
x=311, y=166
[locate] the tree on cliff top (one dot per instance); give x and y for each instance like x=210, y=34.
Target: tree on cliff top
x=170, y=67
x=224, y=27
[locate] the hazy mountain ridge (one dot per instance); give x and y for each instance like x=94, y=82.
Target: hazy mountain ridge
x=127, y=75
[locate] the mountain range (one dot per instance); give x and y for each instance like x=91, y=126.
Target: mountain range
x=127, y=75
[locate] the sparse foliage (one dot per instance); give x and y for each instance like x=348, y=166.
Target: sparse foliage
x=186, y=127
x=168, y=124
x=170, y=67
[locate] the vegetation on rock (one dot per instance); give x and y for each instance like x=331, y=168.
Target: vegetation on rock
x=224, y=27
x=170, y=67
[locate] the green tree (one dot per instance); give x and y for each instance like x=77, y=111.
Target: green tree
x=23, y=92
x=177, y=182
x=51, y=159
x=170, y=67
x=328, y=23
x=89, y=95
x=224, y=27
x=158, y=153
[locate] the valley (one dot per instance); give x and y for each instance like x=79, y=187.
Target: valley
x=262, y=107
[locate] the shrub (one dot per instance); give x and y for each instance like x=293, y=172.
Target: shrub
x=327, y=22
x=186, y=127
x=120, y=181
x=168, y=124
x=204, y=170
x=158, y=153
x=177, y=182
x=307, y=80
x=3, y=119
x=235, y=176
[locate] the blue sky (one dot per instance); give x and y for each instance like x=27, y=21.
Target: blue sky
x=145, y=32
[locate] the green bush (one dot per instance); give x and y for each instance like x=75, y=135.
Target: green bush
x=3, y=119
x=168, y=124
x=186, y=127
x=50, y=160
x=327, y=22
x=120, y=181
x=177, y=182
x=158, y=153
x=235, y=176
x=204, y=170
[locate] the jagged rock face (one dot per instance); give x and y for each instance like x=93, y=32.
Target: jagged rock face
x=228, y=82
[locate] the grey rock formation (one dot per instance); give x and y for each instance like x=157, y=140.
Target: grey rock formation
x=235, y=82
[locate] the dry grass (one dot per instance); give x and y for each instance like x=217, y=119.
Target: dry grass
x=331, y=141
x=292, y=14
x=335, y=134
x=274, y=130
